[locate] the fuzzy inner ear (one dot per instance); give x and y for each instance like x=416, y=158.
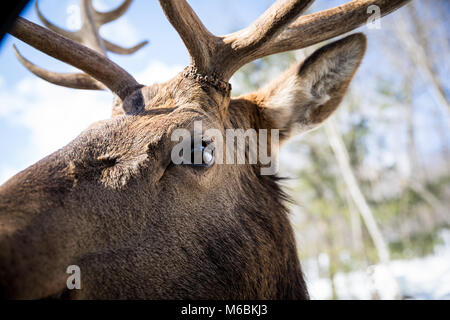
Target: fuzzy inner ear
x=308, y=93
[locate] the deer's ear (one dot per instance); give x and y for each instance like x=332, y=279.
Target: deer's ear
x=308, y=93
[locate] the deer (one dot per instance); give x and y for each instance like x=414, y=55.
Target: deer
x=113, y=203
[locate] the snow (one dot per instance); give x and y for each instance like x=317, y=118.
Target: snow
x=420, y=278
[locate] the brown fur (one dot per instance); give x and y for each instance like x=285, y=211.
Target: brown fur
x=138, y=226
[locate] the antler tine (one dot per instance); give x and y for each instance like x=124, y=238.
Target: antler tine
x=89, y=32
x=93, y=20
x=267, y=26
x=211, y=54
x=277, y=30
x=120, y=50
x=69, y=80
x=241, y=45
x=324, y=25
x=314, y=28
x=106, y=17
x=68, y=34
x=200, y=43
x=88, y=35
x=93, y=63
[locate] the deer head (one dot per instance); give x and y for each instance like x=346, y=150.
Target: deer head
x=114, y=203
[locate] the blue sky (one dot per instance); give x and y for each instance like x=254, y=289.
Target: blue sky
x=37, y=118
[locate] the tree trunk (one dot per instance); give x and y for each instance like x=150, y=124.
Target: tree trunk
x=358, y=198
x=341, y=154
x=419, y=56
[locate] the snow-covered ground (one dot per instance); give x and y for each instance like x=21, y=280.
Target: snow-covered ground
x=421, y=278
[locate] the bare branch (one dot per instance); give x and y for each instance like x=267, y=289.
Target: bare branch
x=93, y=63
x=88, y=35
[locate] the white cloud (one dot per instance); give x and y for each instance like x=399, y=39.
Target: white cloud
x=121, y=32
x=73, y=20
x=158, y=72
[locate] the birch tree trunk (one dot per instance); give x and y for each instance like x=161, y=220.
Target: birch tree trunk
x=418, y=54
x=358, y=198
x=341, y=154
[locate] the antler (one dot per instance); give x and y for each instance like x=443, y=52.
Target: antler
x=93, y=63
x=95, y=79
x=70, y=80
x=89, y=32
x=277, y=30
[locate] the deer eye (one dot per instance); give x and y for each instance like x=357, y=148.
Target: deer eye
x=202, y=154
